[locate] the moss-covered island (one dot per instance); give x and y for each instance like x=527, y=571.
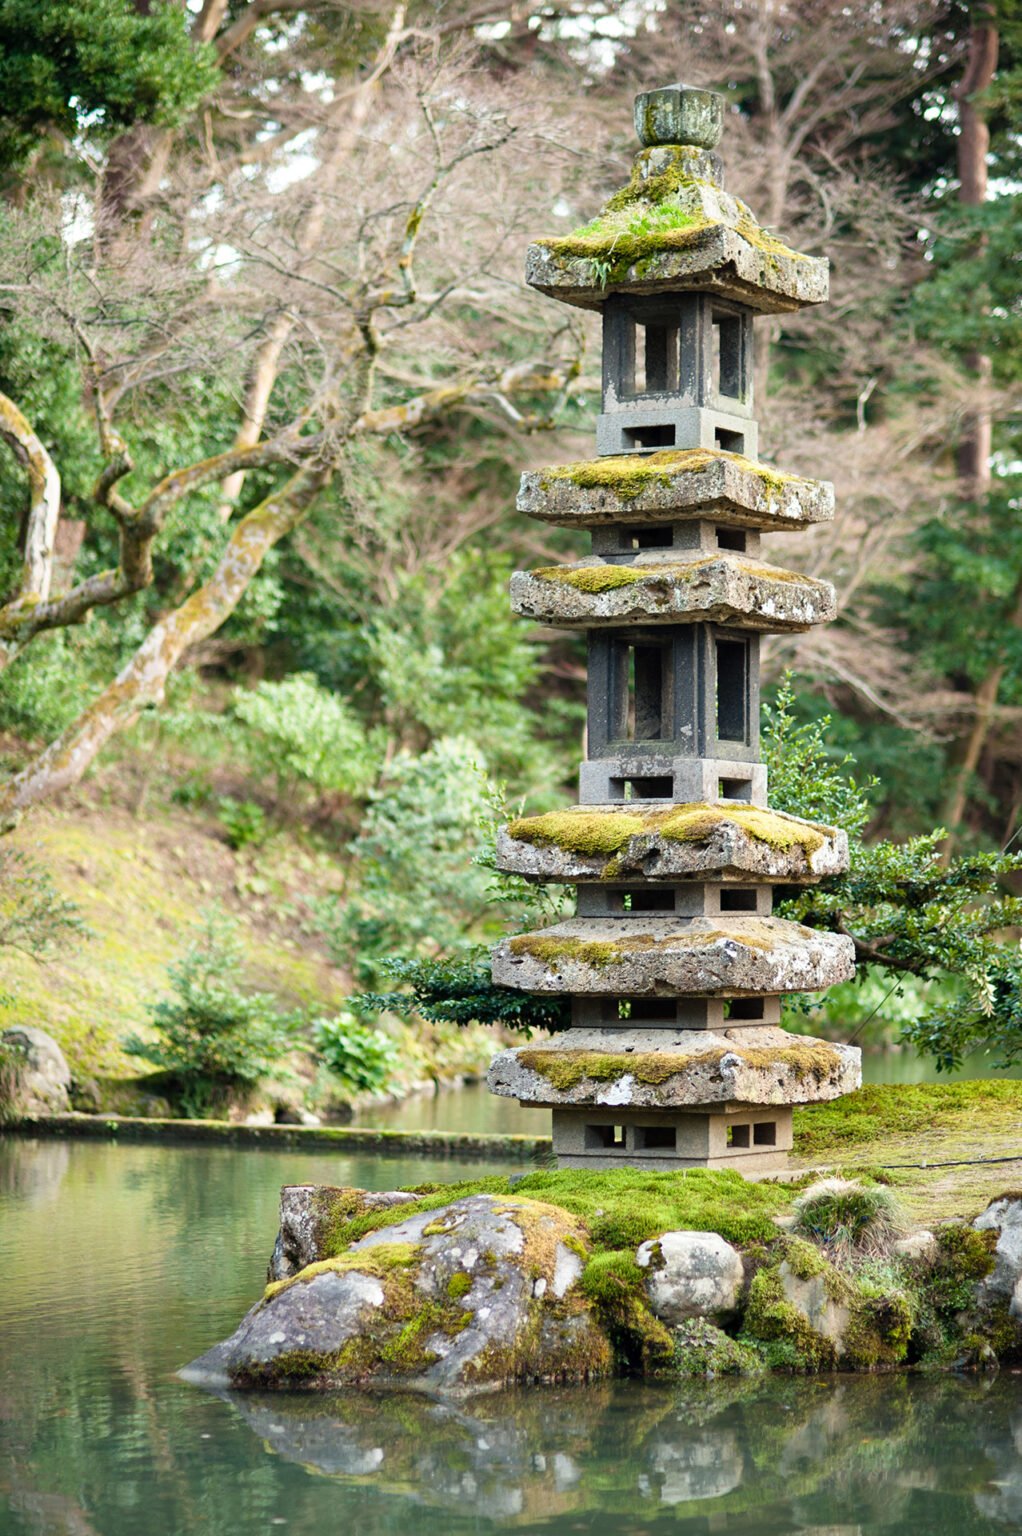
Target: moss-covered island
x=571, y=1275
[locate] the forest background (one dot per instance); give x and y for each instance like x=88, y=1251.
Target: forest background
x=268, y=377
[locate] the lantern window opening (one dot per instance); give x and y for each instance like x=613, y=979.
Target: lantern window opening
x=656, y=1138
x=643, y=677
x=728, y=355
x=609, y=1137
x=746, y=1008
x=732, y=689
x=658, y=787
x=732, y=538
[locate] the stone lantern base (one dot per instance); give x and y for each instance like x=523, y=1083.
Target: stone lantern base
x=750, y=1139
x=654, y=1098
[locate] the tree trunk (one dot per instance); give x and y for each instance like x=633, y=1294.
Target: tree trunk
x=143, y=679
x=974, y=448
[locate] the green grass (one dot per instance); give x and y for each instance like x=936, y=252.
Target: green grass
x=892, y=1112
x=621, y=1207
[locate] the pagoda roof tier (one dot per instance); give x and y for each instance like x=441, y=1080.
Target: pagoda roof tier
x=671, y=486
x=665, y=589
x=725, y=841
x=736, y=955
x=674, y=228
x=668, y=1069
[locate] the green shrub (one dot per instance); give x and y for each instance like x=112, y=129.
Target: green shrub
x=244, y=822
x=213, y=1038
x=363, y=1059
x=415, y=887
x=301, y=734
x=34, y=918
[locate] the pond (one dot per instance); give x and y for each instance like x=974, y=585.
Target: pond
x=121, y=1263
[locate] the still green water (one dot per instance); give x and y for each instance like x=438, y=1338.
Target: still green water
x=121, y=1263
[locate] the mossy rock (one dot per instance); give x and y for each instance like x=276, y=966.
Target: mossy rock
x=478, y=1293
x=721, y=839
x=674, y=224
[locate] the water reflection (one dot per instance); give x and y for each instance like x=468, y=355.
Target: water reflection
x=120, y=1263
x=889, y=1453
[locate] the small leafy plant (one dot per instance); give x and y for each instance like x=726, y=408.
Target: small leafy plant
x=363, y=1058
x=244, y=823
x=212, y=1037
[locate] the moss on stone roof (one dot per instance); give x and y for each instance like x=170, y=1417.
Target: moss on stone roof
x=583, y=830
x=565, y=1069
x=603, y=578
x=628, y=474
x=654, y=214
x=550, y=949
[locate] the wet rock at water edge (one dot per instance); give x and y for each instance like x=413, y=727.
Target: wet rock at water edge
x=691, y=1274
x=475, y=1295
x=44, y=1077
x=1004, y=1216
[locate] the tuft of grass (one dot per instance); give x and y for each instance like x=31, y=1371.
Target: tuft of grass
x=848, y=1218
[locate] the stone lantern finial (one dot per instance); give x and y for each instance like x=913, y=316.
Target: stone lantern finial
x=679, y=114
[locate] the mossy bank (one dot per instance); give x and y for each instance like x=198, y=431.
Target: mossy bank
x=571, y=1275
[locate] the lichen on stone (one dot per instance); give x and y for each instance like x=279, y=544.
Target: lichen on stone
x=379, y=1262
x=566, y=1069
x=627, y=475
x=592, y=952
x=594, y=578
x=655, y=213
x=584, y=830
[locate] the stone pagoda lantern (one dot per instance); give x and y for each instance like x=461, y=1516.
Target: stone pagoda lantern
x=673, y=964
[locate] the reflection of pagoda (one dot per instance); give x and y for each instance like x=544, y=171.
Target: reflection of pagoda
x=673, y=963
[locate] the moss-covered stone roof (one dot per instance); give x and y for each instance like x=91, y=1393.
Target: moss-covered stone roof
x=722, y=587
x=585, y=829
x=674, y=221
x=674, y=483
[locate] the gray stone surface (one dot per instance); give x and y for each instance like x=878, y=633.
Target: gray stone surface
x=720, y=249
x=1004, y=1216
x=662, y=1069
x=691, y=1274
x=811, y=1297
x=679, y=114
x=315, y=1316
x=709, y=589
x=729, y=955
x=509, y=1314
x=299, y=1237
x=44, y=1077
x=730, y=852
x=917, y=1245
x=671, y=485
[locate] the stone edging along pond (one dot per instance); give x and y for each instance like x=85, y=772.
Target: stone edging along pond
x=347, y=1139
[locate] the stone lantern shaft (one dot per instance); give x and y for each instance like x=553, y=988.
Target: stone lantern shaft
x=674, y=963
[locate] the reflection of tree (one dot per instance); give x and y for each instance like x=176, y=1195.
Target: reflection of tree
x=32, y=1170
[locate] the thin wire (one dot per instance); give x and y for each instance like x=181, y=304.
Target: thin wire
x=965, y=1162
